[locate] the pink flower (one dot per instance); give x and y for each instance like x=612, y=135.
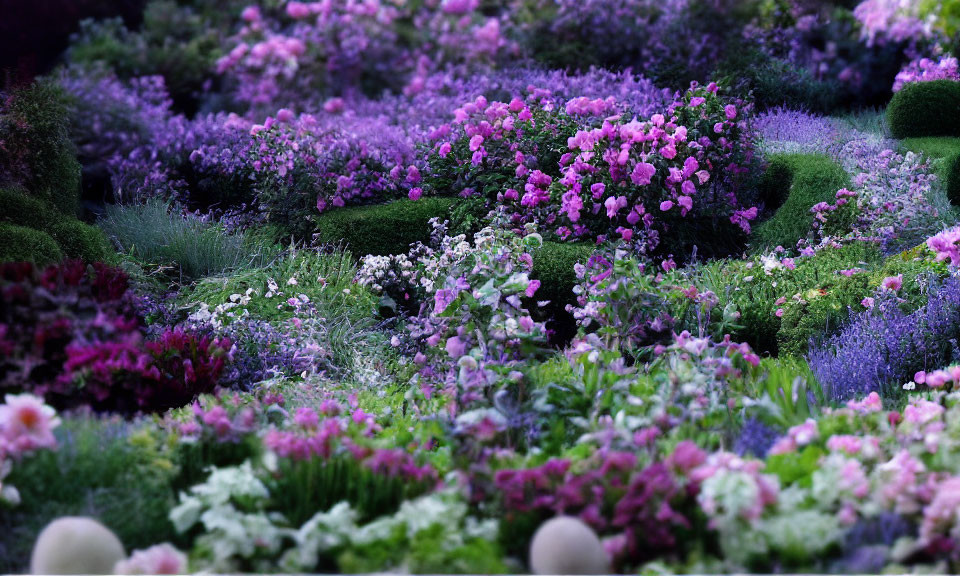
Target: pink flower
x=444, y=149
x=26, y=423
x=867, y=302
x=532, y=288
x=297, y=10
x=476, y=142
x=872, y=403
x=643, y=173
x=456, y=347
x=731, y=111
x=285, y=115
x=666, y=205
x=892, y=283
x=159, y=559
x=415, y=194
x=614, y=205
x=250, y=14
x=685, y=202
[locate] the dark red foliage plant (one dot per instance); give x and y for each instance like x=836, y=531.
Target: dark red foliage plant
x=73, y=333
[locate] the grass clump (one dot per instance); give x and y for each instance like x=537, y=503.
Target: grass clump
x=158, y=233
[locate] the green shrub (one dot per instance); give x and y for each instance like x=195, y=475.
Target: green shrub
x=159, y=234
x=80, y=241
x=37, y=149
x=925, y=109
x=773, y=82
x=815, y=280
x=385, y=228
x=946, y=152
x=22, y=244
x=773, y=186
x=105, y=468
x=553, y=266
x=23, y=210
x=813, y=178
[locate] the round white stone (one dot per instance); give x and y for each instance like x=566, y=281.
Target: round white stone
x=75, y=545
x=565, y=545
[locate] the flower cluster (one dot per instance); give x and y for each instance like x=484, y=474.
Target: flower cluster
x=26, y=426
x=474, y=331
x=927, y=70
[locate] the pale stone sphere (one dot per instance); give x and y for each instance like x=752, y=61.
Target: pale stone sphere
x=565, y=545
x=76, y=545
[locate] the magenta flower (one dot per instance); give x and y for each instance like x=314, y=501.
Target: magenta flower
x=456, y=347
x=892, y=283
x=643, y=173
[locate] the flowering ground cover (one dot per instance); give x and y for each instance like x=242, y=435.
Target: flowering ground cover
x=479, y=286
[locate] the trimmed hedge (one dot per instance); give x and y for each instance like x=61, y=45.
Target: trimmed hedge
x=23, y=210
x=22, y=244
x=385, y=228
x=925, y=109
x=74, y=238
x=947, y=151
x=80, y=241
x=553, y=266
x=803, y=180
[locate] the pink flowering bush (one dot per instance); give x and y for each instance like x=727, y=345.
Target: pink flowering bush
x=927, y=70
x=628, y=179
x=304, y=47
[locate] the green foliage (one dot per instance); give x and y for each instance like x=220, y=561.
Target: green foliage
x=80, y=241
x=74, y=238
x=773, y=185
x=105, y=468
x=21, y=209
x=428, y=552
x=177, y=40
x=158, y=233
x=754, y=293
x=814, y=178
x=553, y=264
x=925, y=109
x=37, y=151
x=787, y=390
x=773, y=82
x=300, y=488
x=21, y=244
x=383, y=229
x=946, y=153
x=326, y=278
